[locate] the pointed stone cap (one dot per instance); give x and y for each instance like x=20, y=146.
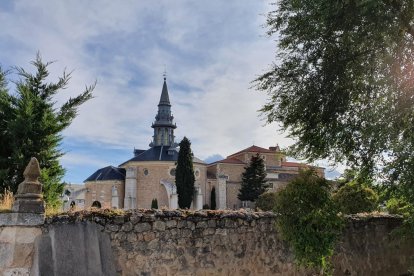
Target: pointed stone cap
x=32, y=171
x=29, y=198
x=165, y=99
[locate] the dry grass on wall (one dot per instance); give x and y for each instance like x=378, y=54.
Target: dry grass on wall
x=6, y=200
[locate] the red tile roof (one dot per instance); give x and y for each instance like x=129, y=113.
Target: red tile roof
x=293, y=164
x=254, y=149
x=230, y=160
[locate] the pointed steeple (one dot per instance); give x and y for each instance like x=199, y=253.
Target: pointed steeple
x=165, y=99
x=163, y=125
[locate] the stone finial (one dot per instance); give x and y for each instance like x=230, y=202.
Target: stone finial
x=29, y=198
x=32, y=171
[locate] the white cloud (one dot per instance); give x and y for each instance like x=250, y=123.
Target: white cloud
x=213, y=50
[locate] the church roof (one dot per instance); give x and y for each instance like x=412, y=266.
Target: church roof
x=165, y=99
x=159, y=153
x=107, y=173
x=253, y=149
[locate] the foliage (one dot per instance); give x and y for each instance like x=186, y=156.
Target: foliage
x=342, y=84
x=154, y=203
x=267, y=201
x=31, y=125
x=213, y=199
x=399, y=206
x=308, y=219
x=6, y=200
x=253, y=180
x=184, y=175
x=355, y=197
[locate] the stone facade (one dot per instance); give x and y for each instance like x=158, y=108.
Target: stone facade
x=230, y=170
x=103, y=192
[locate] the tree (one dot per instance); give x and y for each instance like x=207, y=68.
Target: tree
x=253, y=180
x=355, y=197
x=343, y=85
x=213, y=199
x=267, y=201
x=184, y=175
x=154, y=203
x=31, y=125
x=308, y=219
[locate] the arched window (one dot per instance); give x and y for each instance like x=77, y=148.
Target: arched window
x=96, y=204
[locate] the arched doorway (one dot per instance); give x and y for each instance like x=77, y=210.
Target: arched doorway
x=96, y=204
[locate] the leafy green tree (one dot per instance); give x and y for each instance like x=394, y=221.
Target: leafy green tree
x=355, y=197
x=184, y=175
x=213, y=199
x=308, y=219
x=253, y=180
x=342, y=83
x=267, y=201
x=31, y=125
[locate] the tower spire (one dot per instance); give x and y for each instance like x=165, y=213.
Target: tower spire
x=163, y=125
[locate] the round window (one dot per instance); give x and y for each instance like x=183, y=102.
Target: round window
x=172, y=172
x=145, y=171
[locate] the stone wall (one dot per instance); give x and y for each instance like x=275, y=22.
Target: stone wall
x=236, y=243
x=145, y=242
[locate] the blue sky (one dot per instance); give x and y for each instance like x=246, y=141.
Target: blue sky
x=212, y=51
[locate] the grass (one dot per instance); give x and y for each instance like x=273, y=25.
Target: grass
x=6, y=200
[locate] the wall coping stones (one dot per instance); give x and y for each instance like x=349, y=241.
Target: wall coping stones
x=21, y=219
x=104, y=216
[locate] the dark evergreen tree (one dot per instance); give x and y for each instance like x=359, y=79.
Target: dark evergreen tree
x=253, y=180
x=154, y=204
x=31, y=125
x=213, y=199
x=184, y=175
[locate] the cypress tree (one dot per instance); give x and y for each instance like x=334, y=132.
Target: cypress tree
x=184, y=175
x=253, y=180
x=213, y=199
x=154, y=204
x=31, y=125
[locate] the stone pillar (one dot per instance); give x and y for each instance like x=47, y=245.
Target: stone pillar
x=29, y=198
x=130, y=200
x=174, y=201
x=197, y=203
x=221, y=192
x=115, y=198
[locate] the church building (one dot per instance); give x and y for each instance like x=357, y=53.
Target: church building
x=150, y=173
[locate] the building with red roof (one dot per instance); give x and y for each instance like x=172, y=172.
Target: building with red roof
x=226, y=175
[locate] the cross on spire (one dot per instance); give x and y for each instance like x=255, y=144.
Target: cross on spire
x=165, y=72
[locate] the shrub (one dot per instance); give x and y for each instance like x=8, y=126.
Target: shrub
x=154, y=204
x=354, y=198
x=266, y=201
x=399, y=206
x=308, y=219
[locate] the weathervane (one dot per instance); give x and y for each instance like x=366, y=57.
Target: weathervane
x=165, y=72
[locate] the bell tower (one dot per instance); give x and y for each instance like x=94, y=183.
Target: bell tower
x=163, y=125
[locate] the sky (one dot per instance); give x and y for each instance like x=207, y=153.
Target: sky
x=211, y=51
